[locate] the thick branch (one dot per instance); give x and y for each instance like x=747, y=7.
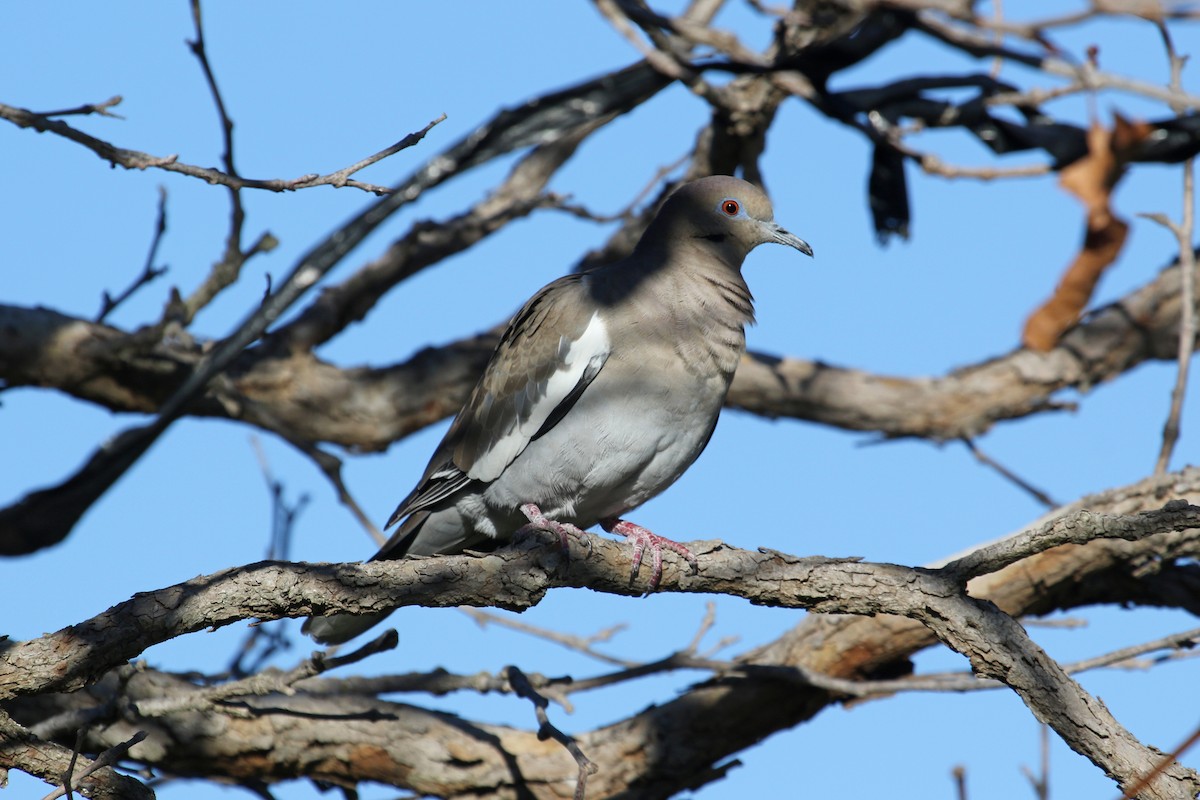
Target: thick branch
x=19, y=749
x=374, y=407
x=519, y=577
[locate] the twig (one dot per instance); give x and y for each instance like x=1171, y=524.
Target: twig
x=968, y=682
x=70, y=771
x=136, y=159
x=331, y=467
x=768, y=10
x=380, y=644
x=579, y=644
x=1021, y=483
x=959, y=773
x=1079, y=527
x=628, y=211
x=1034, y=29
x=230, y=177
x=441, y=682
x=998, y=37
x=977, y=44
x=100, y=109
x=105, y=759
x=200, y=52
x=934, y=165
x=263, y=683
x=283, y=515
x=51, y=513
x=225, y=271
x=1118, y=658
x=341, y=177
x=438, y=682
x=667, y=53
x=1035, y=96
x=1167, y=761
x=283, y=518
x=611, y=10
x=1060, y=622
x=1041, y=781
x=706, y=624
x=546, y=730
x=1187, y=265
x=149, y=272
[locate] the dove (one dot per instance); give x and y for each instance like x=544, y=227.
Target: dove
x=605, y=387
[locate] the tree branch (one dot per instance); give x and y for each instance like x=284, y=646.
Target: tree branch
x=134, y=159
x=375, y=407
x=519, y=576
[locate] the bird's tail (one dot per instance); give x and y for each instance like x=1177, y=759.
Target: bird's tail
x=339, y=628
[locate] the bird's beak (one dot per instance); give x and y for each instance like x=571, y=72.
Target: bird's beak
x=781, y=236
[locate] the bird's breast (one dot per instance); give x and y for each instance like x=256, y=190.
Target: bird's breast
x=631, y=434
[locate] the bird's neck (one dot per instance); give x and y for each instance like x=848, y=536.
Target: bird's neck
x=701, y=310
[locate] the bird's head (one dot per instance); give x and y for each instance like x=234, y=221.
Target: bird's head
x=728, y=215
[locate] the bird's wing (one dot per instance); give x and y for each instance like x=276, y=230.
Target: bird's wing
x=553, y=348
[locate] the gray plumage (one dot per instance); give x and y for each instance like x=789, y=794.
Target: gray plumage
x=605, y=387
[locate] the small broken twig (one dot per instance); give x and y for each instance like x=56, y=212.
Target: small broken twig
x=546, y=730
x=149, y=271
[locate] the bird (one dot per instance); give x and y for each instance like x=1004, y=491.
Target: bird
x=604, y=388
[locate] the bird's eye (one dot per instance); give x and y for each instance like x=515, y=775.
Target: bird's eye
x=731, y=207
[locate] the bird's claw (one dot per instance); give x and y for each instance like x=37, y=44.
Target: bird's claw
x=641, y=538
x=564, y=530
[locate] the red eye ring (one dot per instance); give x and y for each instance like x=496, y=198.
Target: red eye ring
x=731, y=207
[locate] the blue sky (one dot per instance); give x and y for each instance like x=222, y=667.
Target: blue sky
x=313, y=87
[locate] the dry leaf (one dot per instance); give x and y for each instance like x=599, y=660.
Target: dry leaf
x=1091, y=179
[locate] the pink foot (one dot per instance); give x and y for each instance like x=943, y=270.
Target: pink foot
x=641, y=538
x=540, y=522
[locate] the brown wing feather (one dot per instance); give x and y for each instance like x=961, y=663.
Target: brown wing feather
x=515, y=379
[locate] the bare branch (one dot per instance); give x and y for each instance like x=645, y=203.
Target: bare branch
x=934, y=165
x=1136, y=789
x=1040, y=782
x=750, y=707
x=997, y=646
x=1034, y=30
x=546, y=730
x=149, y=271
x=22, y=750
x=428, y=242
x=580, y=644
x=270, y=590
x=263, y=683
x=47, y=516
x=368, y=409
x=1187, y=261
x=100, y=109
x=1075, y=528
x=1124, y=657
x=1136, y=557
x=979, y=45
x=109, y=757
x=134, y=159
x=1011, y=476
x=341, y=177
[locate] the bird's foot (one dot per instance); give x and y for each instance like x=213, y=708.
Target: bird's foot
x=564, y=530
x=641, y=538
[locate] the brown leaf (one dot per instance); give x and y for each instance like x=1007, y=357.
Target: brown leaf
x=1091, y=179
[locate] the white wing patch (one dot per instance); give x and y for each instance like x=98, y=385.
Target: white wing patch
x=536, y=402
